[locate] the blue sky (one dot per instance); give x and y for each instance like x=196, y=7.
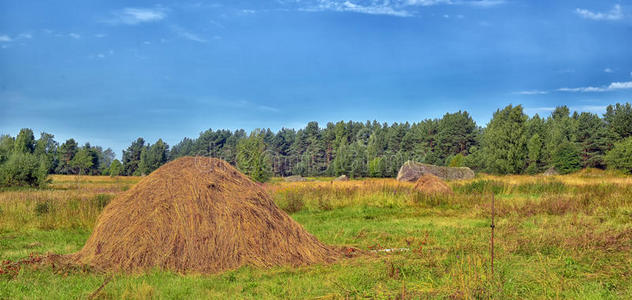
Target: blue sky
x=108, y=72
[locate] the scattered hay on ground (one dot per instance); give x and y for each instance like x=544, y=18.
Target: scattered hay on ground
x=198, y=215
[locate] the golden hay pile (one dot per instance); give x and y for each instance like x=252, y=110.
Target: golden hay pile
x=198, y=215
x=432, y=185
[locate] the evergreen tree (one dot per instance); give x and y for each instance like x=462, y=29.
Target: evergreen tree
x=620, y=157
x=566, y=159
x=184, y=148
x=24, y=142
x=455, y=135
x=152, y=157
x=343, y=161
x=66, y=153
x=131, y=157
x=561, y=128
x=504, y=142
x=534, y=148
x=619, y=119
x=252, y=158
x=594, y=139
x=358, y=160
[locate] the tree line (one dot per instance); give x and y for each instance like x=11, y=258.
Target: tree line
x=511, y=143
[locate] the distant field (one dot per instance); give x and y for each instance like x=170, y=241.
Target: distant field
x=556, y=237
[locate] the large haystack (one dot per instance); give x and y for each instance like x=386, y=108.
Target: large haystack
x=432, y=185
x=198, y=215
x=411, y=171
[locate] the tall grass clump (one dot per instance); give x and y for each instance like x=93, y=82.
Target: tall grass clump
x=481, y=186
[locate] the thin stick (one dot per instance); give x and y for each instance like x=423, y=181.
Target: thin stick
x=492, y=241
x=96, y=292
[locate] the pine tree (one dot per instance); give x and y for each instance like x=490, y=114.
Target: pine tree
x=252, y=158
x=504, y=142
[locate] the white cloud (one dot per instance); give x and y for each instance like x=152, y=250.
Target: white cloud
x=532, y=92
x=397, y=8
x=620, y=85
x=478, y=3
x=611, y=87
x=25, y=36
x=348, y=6
x=608, y=70
x=133, y=16
x=5, y=38
x=483, y=3
x=181, y=32
x=100, y=35
x=428, y=2
x=615, y=14
x=74, y=35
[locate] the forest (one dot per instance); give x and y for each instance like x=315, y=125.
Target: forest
x=511, y=143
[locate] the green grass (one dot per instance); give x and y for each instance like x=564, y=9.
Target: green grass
x=553, y=240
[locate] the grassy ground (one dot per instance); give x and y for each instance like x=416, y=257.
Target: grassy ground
x=556, y=237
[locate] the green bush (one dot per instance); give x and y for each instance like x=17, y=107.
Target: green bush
x=457, y=161
x=42, y=208
x=23, y=169
x=620, y=157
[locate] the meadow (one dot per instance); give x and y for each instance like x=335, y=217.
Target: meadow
x=556, y=237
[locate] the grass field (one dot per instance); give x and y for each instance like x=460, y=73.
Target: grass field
x=556, y=237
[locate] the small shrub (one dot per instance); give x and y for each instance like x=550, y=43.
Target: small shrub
x=457, y=161
x=101, y=200
x=324, y=204
x=42, y=208
x=293, y=202
x=23, y=169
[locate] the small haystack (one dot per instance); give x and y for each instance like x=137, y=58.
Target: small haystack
x=411, y=171
x=552, y=171
x=432, y=185
x=294, y=178
x=342, y=178
x=198, y=215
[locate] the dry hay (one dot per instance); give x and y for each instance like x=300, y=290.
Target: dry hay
x=198, y=215
x=551, y=172
x=411, y=171
x=342, y=178
x=432, y=185
x=294, y=178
